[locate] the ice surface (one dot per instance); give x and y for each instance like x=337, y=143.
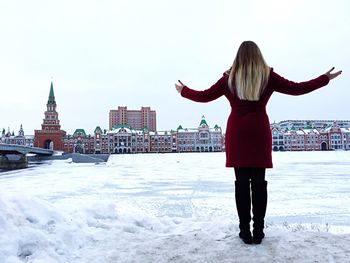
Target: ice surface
x=173, y=208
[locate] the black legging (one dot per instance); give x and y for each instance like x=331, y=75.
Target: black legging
x=253, y=174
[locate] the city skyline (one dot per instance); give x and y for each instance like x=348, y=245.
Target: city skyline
x=124, y=110
x=102, y=55
x=289, y=135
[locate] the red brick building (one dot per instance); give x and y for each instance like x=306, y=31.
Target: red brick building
x=50, y=136
x=135, y=119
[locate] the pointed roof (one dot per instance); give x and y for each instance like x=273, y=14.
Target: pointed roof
x=119, y=126
x=203, y=122
x=51, y=95
x=98, y=129
x=21, y=132
x=79, y=133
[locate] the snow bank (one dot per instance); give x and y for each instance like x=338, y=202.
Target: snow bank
x=33, y=230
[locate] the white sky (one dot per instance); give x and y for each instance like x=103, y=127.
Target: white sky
x=102, y=54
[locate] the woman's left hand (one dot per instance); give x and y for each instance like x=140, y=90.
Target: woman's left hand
x=332, y=75
x=179, y=87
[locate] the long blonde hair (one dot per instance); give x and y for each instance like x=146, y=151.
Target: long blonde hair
x=249, y=73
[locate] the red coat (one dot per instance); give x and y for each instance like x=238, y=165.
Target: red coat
x=248, y=136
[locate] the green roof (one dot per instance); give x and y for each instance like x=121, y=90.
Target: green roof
x=203, y=122
x=98, y=128
x=120, y=126
x=180, y=127
x=51, y=95
x=79, y=132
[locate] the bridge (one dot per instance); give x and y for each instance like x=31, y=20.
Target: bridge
x=14, y=156
x=19, y=149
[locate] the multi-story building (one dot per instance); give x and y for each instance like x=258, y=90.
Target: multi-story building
x=201, y=139
x=101, y=141
x=20, y=139
x=79, y=142
x=312, y=124
x=134, y=131
x=124, y=139
x=277, y=138
x=307, y=138
x=294, y=140
x=135, y=119
x=163, y=141
x=312, y=140
x=121, y=139
x=337, y=138
x=50, y=136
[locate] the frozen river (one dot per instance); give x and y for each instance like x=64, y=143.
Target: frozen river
x=306, y=190
x=303, y=186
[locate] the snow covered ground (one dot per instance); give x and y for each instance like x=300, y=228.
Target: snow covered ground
x=173, y=208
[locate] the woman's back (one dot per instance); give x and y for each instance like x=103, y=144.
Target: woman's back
x=248, y=136
x=248, y=86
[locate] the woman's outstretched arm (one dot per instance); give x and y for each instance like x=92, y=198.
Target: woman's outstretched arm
x=285, y=86
x=214, y=92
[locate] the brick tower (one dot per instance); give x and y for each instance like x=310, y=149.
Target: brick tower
x=50, y=136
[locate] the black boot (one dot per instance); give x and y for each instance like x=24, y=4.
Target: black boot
x=259, y=201
x=242, y=194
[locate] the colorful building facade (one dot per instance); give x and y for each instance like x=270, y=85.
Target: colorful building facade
x=123, y=139
x=201, y=139
x=136, y=119
x=307, y=138
x=79, y=142
x=134, y=131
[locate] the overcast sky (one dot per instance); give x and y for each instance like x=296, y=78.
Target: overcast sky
x=102, y=54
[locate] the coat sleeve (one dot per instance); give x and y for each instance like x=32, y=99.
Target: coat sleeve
x=214, y=92
x=285, y=86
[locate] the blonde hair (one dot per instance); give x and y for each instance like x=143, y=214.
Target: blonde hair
x=249, y=73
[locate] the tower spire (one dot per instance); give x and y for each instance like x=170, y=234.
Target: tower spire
x=203, y=122
x=21, y=131
x=51, y=95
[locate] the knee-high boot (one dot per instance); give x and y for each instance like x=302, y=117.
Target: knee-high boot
x=243, y=204
x=259, y=201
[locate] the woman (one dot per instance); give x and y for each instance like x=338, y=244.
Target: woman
x=248, y=86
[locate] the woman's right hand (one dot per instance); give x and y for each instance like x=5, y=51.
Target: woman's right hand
x=331, y=75
x=179, y=87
